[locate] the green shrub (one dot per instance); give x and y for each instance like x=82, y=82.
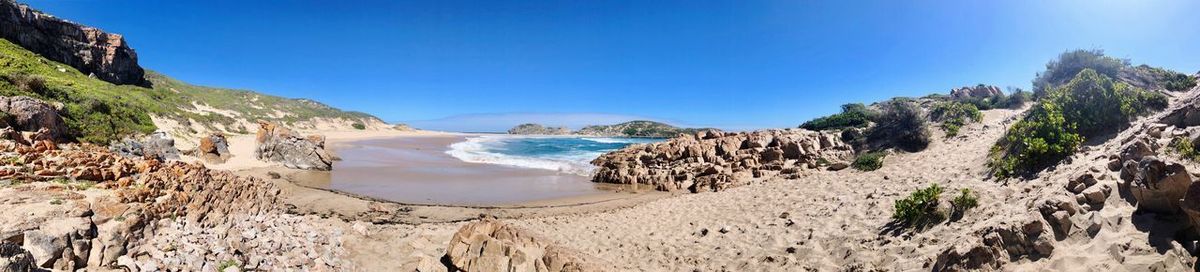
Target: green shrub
x=954, y=115
x=920, y=207
x=900, y=125
x=1070, y=63
x=854, y=115
x=965, y=201
x=1090, y=105
x=1177, y=82
x=1185, y=148
x=1017, y=99
x=358, y=126
x=869, y=161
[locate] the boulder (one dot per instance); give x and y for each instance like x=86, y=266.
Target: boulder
x=158, y=146
x=491, y=246
x=281, y=145
x=90, y=50
x=30, y=114
x=1159, y=187
x=213, y=148
x=1186, y=116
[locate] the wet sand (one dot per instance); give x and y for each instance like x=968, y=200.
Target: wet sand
x=416, y=170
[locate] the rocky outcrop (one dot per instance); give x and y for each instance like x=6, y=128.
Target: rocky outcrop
x=90, y=50
x=999, y=245
x=157, y=146
x=492, y=246
x=649, y=129
x=281, y=145
x=976, y=92
x=213, y=148
x=536, y=129
x=714, y=161
x=30, y=114
x=1157, y=186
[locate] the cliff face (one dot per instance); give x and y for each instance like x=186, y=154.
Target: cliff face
x=90, y=50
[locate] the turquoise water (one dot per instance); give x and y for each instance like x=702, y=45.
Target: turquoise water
x=565, y=154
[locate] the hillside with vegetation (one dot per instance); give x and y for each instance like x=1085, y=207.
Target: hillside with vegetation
x=99, y=112
x=648, y=129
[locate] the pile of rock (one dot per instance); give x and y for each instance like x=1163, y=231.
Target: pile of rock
x=489, y=245
x=41, y=162
x=714, y=161
x=279, y=144
x=213, y=148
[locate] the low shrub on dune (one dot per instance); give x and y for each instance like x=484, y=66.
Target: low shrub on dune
x=954, y=115
x=919, y=208
x=900, y=125
x=869, y=161
x=1090, y=105
x=854, y=115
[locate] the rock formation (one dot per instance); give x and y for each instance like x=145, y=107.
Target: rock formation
x=491, y=246
x=30, y=114
x=714, y=161
x=157, y=146
x=90, y=50
x=537, y=129
x=649, y=129
x=213, y=148
x=279, y=144
x=978, y=91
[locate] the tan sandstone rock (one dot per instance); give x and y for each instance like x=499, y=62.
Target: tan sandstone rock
x=492, y=246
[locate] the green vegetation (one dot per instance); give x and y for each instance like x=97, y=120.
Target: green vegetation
x=1070, y=63
x=965, y=201
x=1171, y=80
x=99, y=112
x=954, y=115
x=920, y=207
x=1185, y=148
x=869, y=161
x=854, y=115
x=900, y=125
x=56, y=201
x=358, y=126
x=226, y=264
x=1090, y=105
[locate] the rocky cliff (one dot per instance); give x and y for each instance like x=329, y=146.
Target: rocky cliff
x=536, y=129
x=87, y=49
x=714, y=161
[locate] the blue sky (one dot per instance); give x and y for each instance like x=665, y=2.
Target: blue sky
x=733, y=65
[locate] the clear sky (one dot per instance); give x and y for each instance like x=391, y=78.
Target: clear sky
x=733, y=65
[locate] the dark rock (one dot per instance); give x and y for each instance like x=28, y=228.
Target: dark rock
x=158, y=146
x=1159, y=187
x=13, y=258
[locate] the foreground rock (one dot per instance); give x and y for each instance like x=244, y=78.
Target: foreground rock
x=90, y=50
x=491, y=246
x=279, y=144
x=714, y=161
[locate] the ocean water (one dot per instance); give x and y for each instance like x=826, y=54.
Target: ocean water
x=572, y=155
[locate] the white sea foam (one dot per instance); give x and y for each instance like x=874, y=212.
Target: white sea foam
x=476, y=150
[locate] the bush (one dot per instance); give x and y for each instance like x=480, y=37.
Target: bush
x=358, y=126
x=854, y=115
x=1185, y=148
x=953, y=115
x=869, y=161
x=965, y=201
x=1177, y=82
x=900, y=125
x=1090, y=105
x=920, y=207
x=1017, y=99
x=1070, y=63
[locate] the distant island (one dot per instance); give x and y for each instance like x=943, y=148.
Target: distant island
x=641, y=129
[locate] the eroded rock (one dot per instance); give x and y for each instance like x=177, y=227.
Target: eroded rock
x=491, y=246
x=279, y=144
x=88, y=49
x=1159, y=187
x=214, y=148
